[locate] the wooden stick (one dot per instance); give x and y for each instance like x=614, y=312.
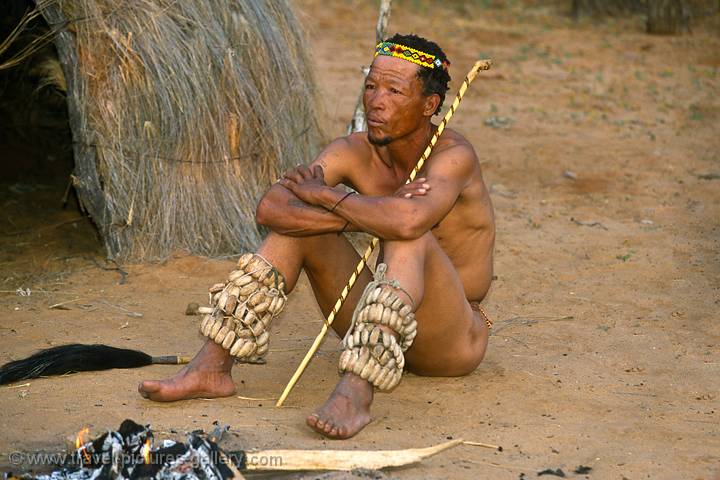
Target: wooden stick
x=255, y=398
x=383, y=19
x=485, y=445
x=341, y=459
x=479, y=65
x=358, y=123
x=56, y=305
x=19, y=386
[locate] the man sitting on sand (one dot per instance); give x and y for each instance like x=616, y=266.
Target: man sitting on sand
x=421, y=312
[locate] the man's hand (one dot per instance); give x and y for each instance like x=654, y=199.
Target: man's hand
x=306, y=184
x=417, y=188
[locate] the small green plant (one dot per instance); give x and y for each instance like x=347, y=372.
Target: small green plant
x=625, y=257
x=696, y=113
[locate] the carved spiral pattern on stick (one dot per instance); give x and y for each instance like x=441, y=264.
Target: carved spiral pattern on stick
x=243, y=308
x=372, y=352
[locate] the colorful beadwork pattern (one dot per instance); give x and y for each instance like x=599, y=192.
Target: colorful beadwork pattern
x=410, y=54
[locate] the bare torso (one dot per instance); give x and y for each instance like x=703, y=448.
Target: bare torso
x=466, y=233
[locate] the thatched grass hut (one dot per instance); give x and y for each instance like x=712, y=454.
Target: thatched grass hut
x=181, y=114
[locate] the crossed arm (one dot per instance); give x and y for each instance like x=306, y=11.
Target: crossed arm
x=300, y=204
x=283, y=212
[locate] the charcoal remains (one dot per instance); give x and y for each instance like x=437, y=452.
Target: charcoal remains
x=129, y=454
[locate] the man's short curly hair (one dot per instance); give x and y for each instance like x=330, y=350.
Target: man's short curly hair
x=435, y=80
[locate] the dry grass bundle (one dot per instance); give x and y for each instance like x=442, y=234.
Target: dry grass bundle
x=193, y=108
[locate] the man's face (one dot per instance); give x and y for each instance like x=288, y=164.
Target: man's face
x=394, y=103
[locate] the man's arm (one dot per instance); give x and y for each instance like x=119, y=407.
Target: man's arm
x=397, y=217
x=283, y=212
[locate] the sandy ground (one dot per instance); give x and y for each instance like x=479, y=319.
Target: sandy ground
x=605, y=351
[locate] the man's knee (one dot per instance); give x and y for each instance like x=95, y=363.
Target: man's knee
x=279, y=238
x=291, y=254
x=417, y=245
x=305, y=248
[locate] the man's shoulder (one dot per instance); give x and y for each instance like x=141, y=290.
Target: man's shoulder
x=355, y=146
x=341, y=158
x=359, y=144
x=453, y=145
x=454, y=139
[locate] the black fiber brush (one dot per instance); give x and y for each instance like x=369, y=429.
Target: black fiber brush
x=77, y=357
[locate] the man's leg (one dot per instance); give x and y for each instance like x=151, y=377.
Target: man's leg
x=328, y=261
x=451, y=338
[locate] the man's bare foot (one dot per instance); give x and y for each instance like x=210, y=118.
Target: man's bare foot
x=206, y=376
x=347, y=410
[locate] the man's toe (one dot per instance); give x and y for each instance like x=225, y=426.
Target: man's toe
x=312, y=419
x=145, y=388
x=328, y=427
x=149, y=386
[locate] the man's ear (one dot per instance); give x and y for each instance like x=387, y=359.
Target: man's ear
x=431, y=104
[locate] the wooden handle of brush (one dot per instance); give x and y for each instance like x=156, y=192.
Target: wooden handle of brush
x=479, y=65
x=170, y=360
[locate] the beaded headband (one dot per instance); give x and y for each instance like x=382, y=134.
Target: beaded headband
x=417, y=57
